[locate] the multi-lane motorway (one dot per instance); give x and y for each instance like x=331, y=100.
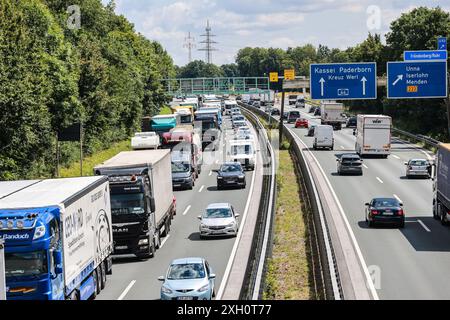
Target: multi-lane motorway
x=133, y=279
x=409, y=263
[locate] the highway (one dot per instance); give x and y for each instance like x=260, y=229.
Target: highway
x=133, y=279
x=412, y=262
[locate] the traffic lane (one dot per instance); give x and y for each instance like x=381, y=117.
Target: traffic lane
x=390, y=250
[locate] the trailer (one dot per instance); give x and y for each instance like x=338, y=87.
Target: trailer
x=441, y=184
x=58, y=238
x=373, y=135
x=331, y=113
x=142, y=201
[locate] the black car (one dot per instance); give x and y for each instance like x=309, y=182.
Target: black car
x=275, y=112
x=182, y=176
x=293, y=116
x=386, y=211
x=230, y=174
x=317, y=112
x=285, y=115
x=351, y=122
x=311, y=130
x=349, y=164
x=312, y=109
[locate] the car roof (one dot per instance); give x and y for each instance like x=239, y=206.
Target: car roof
x=229, y=163
x=385, y=198
x=222, y=205
x=187, y=260
x=418, y=159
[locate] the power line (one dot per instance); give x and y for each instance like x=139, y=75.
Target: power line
x=208, y=43
x=189, y=44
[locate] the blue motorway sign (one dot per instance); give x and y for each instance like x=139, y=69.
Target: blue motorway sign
x=423, y=79
x=442, y=43
x=425, y=55
x=343, y=81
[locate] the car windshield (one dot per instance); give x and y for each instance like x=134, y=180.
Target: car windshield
x=238, y=118
x=294, y=115
x=26, y=263
x=206, y=125
x=217, y=213
x=130, y=203
x=186, y=271
x=349, y=159
x=178, y=167
x=418, y=163
x=378, y=203
x=231, y=168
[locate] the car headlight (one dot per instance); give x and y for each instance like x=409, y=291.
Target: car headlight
x=142, y=241
x=39, y=232
x=204, y=288
x=219, y=178
x=231, y=225
x=241, y=177
x=164, y=289
x=203, y=226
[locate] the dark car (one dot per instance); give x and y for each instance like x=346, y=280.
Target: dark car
x=275, y=112
x=351, y=122
x=385, y=211
x=312, y=109
x=311, y=130
x=285, y=115
x=349, y=164
x=293, y=116
x=230, y=174
x=182, y=176
x=256, y=104
x=317, y=112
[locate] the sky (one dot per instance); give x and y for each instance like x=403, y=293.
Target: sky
x=262, y=23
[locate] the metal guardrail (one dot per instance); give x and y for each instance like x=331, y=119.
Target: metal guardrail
x=326, y=275
x=261, y=248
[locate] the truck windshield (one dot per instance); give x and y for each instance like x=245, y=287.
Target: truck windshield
x=130, y=203
x=206, y=125
x=186, y=119
x=178, y=167
x=26, y=263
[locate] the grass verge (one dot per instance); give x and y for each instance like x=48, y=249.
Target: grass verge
x=91, y=161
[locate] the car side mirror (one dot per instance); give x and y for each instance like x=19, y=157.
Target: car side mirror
x=354, y=132
x=161, y=278
x=215, y=170
x=406, y=163
x=199, y=217
x=401, y=204
x=237, y=215
x=337, y=159
x=367, y=204
x=212, y=276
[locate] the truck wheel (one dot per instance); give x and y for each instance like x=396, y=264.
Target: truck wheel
x=166, y=229
x=444, y=221
x=435, y=214
x=103, y=277
x=96, y=284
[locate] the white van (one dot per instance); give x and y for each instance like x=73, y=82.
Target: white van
x=244, y=152
x=323, y=137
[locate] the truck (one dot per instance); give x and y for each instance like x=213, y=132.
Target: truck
x=244, y=152
x=209, y=124
x=163, y=123
x=186, y=113
x=58, y=238
x=292, y=98
x=373, y=135
x=441, y=184
x=142, y=201
x=331, y=113
x=145, y=140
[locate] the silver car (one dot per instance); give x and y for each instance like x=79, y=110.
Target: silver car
x=219, y=219
x=418, y=168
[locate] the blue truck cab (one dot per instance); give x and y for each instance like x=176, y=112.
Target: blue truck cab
x=58, y=238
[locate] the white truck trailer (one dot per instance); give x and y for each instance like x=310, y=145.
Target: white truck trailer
x=373, y=135
x=331, y=113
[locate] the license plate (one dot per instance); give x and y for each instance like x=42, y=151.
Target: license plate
x=185, y=298
x=177, y=185
x=121, y=247
x=216, y=231
x=388, y=213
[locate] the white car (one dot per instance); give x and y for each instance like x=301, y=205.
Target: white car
x=219, y=219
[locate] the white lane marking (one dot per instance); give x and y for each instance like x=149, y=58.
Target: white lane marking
x=201, y=188
x=237, y=241
x=186, y=210
x=210, y=173
x=396, y=157
x=369, y=279
x=164, y=241
x=381, y=181
x=124, y=293
x=423, y=225
x=416, y=148
x=365, y=166
x=397, y=197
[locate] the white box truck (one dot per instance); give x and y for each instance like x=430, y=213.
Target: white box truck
x=331, y=113
x=373, y=135
x=244, y=152
x=142, y=201
x=58, y=238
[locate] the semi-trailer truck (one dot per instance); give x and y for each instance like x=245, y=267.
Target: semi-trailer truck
x=58, y=238
x=373, y=135
x=331, y=113
x=441, y=184
x=142, y=203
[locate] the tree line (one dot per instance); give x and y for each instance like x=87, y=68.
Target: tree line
x=103, y=73
x=415, y=30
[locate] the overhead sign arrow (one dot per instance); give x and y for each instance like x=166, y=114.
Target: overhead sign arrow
x=399, y=77
x=364, y=80
x=322, y=81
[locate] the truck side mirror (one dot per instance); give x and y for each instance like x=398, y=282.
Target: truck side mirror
x=57, y=256
x=152, y=204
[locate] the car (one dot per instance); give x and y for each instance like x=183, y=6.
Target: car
x=385, y=211
x=230, y=174
x=285, y=115
x=182, y=175
x=351, y=122
x=293, y=116
x=349, y=164
x=188, y=279
x=219, y=219
x=317, y=112
x=275, y=112
x=300, y=103
x=311, y=130
x=418, y=168
x=301, y=123
x=238, y=124
x=312, y=109
x=256, y=104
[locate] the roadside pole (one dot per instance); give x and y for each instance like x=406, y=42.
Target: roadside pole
x=2, y=272
x=281, y=117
